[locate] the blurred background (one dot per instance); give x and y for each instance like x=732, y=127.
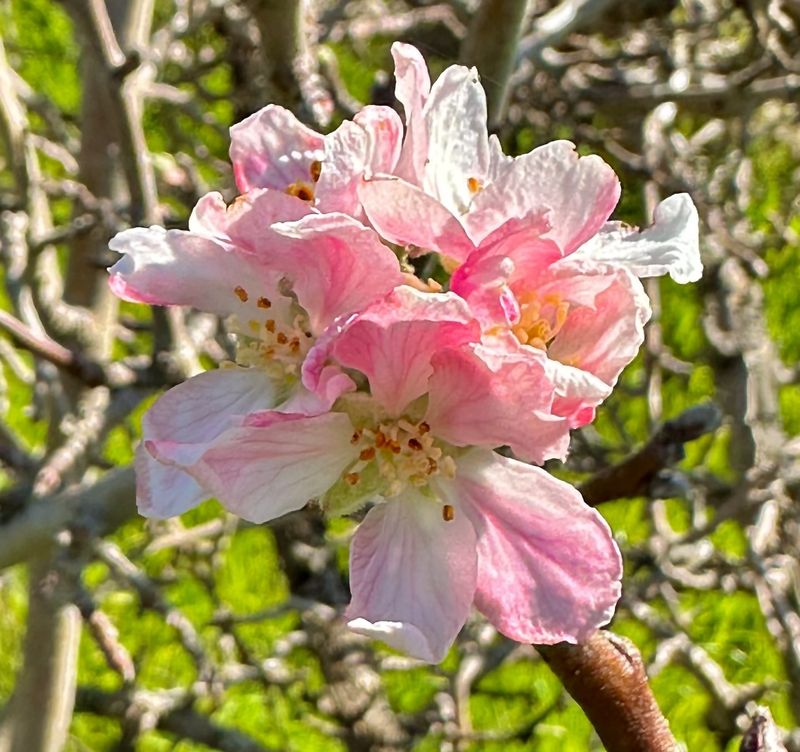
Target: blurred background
x=205, y=632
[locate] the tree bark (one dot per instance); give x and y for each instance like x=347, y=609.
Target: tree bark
x=606, y=677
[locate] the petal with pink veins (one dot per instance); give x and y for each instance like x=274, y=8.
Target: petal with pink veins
x=490, y=397
x=246, y=221
x=199, y=409
x=174, y=267
x=671, y=245
x=336, y=265
x=261, y=472
x=193, y=414
x=368, y=144
x=412, y=576
x=578, y=192
x=385, y=135
x=406, y=215
x=344, y=164
x=548, y=568
x=392, y=342
x=163, y=491
x=273, y=149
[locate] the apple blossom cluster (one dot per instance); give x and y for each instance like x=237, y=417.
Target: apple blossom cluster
x=360, y=385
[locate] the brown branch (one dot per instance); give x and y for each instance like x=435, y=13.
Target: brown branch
x=606, y=677
x=633, y=475
x=84, y=369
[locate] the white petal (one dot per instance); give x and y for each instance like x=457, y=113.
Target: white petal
x=671, y=245
x=458, y=139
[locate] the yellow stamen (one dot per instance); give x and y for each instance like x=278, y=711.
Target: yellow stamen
x=304, y=191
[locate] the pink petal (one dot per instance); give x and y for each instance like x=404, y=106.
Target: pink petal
x=490, y=397
x=273, y=149
x=346, y=155
x=603, y=335
x=580, y=194
x=578, y=393
x=514, y=251
x=199, y=409
x=393, y=341
x=246, y=221
x=336, y=265
x=412, y=576
x=669, y=246
x=263, y=472
x=458, y=140
x=548, y=567
x=385, y=134
x=483, y=281
x=163, y=491
x=173, y=267
x=368, y=144
x=406, y=215
x=191, y=415
x=413, y=84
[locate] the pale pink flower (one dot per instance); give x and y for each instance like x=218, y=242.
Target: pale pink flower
x=453, y=522
x=586, y=310
x=272, y=149
x=528, y=237
x=280, y=284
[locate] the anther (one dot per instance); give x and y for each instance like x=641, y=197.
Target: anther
x=380, y=439
x=356, y=437
x=241, y=293
x=282, y=338
x=301, y=190
x=474, y=185
x=415, y=444
x=367, y=454
x=315, y=170
x=270, y=326
x=448, y=513
x=424, y=427
x=352, y=478
x=264, y=303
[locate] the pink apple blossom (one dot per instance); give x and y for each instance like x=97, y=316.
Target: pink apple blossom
x=453, y=522
x=528, y=237
x=279, y=284
x=272, y=149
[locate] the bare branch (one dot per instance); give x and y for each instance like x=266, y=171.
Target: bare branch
x=606, y=677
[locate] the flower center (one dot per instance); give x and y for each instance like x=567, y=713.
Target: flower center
x=541, y=319
x=272, y=343
x=303, y=189
x=403, y=453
